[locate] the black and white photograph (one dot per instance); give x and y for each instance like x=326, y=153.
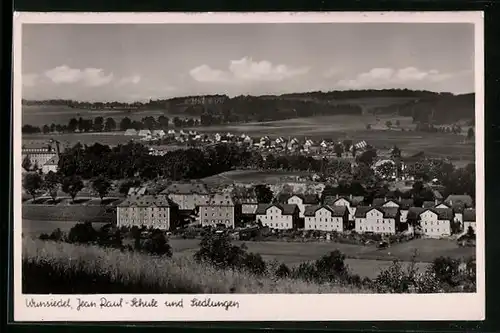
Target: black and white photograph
x=281, y=163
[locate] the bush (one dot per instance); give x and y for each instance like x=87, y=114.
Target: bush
x=446, y=270
x=157, y=244
x=332, y=267
x=217, y=250
x=283, y=271
x=110, y=236
x=82, y=233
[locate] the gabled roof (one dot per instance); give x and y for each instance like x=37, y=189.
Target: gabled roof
x=388, y=212
x=307, y=199
x=354, y=201
x=428, y=204
x=186, y=188
x=362, y=210
x=220, y=199
x=286, y=209
x=469, y=215
x=53, y=161
x=337, y=211
x=453, y=198
x=442, y=213
x=414, y=213
x=147, y=201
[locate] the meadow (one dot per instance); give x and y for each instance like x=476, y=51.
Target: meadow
x=50, y=267
x=271, y=177
x=364, y=260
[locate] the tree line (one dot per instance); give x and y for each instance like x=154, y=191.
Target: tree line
x=99, y=124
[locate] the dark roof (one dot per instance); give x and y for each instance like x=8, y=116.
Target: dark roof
x=453, y=198
x=428, y=204
x=362, y=210
x=414, y=213
x=442, y=213
x=403, y=203
x=469, y=215
x=353, y=201
x=53, y=161
x=186, y=188
x=389, y=212
x=338, y=211
x=286, y=209
x=219, y=199
x=147, y=201
x=378, y=202
x=307, y=199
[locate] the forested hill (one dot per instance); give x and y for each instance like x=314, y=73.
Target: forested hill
x=438, y=109
x=445, y=107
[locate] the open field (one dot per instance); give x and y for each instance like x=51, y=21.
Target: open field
x=270, y=177
x=50, y=267
x=39, y=115
x=366, y=261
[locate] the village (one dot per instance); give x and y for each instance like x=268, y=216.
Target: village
x=236, y=206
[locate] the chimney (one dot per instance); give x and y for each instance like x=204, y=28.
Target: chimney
x=400, y=199
x=350, y=196
x=436, y=201
x=336, y=196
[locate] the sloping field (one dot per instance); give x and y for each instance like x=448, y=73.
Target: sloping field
x=69, y=213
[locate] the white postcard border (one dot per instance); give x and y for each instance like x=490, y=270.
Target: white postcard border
x=324, y=307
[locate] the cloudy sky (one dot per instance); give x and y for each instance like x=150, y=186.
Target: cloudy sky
x=138, y=62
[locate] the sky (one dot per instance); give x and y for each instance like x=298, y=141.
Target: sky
x=131, y=62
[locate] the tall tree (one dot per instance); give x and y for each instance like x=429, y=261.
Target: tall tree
x=125, y=124
x=72, y=185
x=72, y=125
x=26, y=163
x=163, y=122
x=51, y=184
x=32, y=183
x=45, y=129
x=339, y=149
x=98, y=124
x=470, y=133
x=263, y=193
x=102, y=186
x=110, y=124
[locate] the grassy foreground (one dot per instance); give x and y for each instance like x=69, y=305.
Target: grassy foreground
x=56, y=267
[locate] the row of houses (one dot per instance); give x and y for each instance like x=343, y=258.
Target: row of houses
x=295, y=211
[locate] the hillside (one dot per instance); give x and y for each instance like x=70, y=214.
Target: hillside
x=220, y=109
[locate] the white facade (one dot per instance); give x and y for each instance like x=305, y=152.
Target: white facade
x=46, y=168
x=275, y=219
x=468, y=224
x=324, y=220
x=299, y=202
x=346, y=203
x=374, y=221
x=432, y=226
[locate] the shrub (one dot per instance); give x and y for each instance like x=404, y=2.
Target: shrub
x=254, y=263
x=331, y=266
x=446, y=270
x=157, y=244
x=110, y=236
x=283, y=271
x=82, y=233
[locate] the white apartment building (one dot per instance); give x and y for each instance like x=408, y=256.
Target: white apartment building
x=436, y=222
x=278, y=216
x=380, y=220
x=326, y=218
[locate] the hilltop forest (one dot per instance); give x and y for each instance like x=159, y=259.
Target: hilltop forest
x=423, y=106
